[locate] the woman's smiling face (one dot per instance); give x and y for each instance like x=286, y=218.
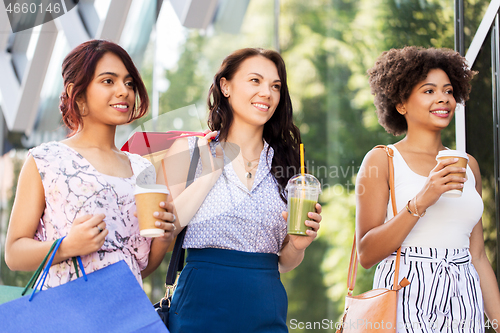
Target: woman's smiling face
x=254, y=91
x=110, y=96
x=431, y=102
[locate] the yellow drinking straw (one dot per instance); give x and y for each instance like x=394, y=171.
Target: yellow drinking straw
x=302, y=170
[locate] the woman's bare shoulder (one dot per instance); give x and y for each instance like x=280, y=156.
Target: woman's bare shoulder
x=375, y=163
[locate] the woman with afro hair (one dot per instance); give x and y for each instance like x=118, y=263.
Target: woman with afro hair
x=452, y=283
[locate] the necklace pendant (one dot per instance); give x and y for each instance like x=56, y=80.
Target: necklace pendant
x=249, y=164
x=248, y=175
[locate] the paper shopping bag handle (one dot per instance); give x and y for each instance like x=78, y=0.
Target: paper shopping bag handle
x=45, y=272
x=35, y=275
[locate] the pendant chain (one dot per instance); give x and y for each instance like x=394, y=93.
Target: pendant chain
x=248, y=173
x=247, y=163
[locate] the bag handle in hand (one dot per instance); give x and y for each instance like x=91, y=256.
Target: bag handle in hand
x=53, y=250
x=177, y=260
x=35, y=275
x=353, y=263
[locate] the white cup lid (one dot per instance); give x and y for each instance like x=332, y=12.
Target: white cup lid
x=306, y=180
x=452, y=153
x=152, y=188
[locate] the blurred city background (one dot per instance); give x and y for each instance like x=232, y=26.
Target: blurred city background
x=328, y=45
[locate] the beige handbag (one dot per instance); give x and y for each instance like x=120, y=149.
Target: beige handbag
x=374, y=310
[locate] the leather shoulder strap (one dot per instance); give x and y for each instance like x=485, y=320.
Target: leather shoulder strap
x=353, y=263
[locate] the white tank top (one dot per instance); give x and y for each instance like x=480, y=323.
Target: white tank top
x=449, y=222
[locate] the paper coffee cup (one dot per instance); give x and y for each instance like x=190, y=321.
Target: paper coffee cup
x=147, y=200
x=463, y=159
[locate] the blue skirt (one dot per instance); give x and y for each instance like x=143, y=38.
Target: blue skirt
x=229, y=291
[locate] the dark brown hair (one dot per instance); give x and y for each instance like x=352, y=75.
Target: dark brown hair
x=397, y=71
x=279, y=132
x=78, y=68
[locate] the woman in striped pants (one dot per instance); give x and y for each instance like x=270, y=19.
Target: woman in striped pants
x=443, y=256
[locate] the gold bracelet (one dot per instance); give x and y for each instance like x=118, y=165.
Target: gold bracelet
x=409, y=210
x=416, y=214
x=416, y=210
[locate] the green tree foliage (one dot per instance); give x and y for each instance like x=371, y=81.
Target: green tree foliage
x=341, y=208
x=186, y=84
x=7, y=276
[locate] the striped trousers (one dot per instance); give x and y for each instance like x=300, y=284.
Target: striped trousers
x=444, y=294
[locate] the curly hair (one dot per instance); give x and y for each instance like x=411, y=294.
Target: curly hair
x=78, y=68
x=279, y=132
x=397, y=71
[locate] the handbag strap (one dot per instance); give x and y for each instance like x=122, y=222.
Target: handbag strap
x=353, y=263
x=177, y=260
x=45, y=273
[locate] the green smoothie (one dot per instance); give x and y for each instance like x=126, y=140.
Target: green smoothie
x=297, y=215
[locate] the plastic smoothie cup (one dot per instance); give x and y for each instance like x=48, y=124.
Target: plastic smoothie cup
x=463, y=159
x=147, y=200
x=303, y=193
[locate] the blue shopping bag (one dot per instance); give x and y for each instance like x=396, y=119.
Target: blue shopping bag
x=107, y=300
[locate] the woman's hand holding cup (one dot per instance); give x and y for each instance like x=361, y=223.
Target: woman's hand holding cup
x=301, y=242
x=153, y=209
x=166, y=221
x=447, y=179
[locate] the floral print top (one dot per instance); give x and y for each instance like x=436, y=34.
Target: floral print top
x=73, y=187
